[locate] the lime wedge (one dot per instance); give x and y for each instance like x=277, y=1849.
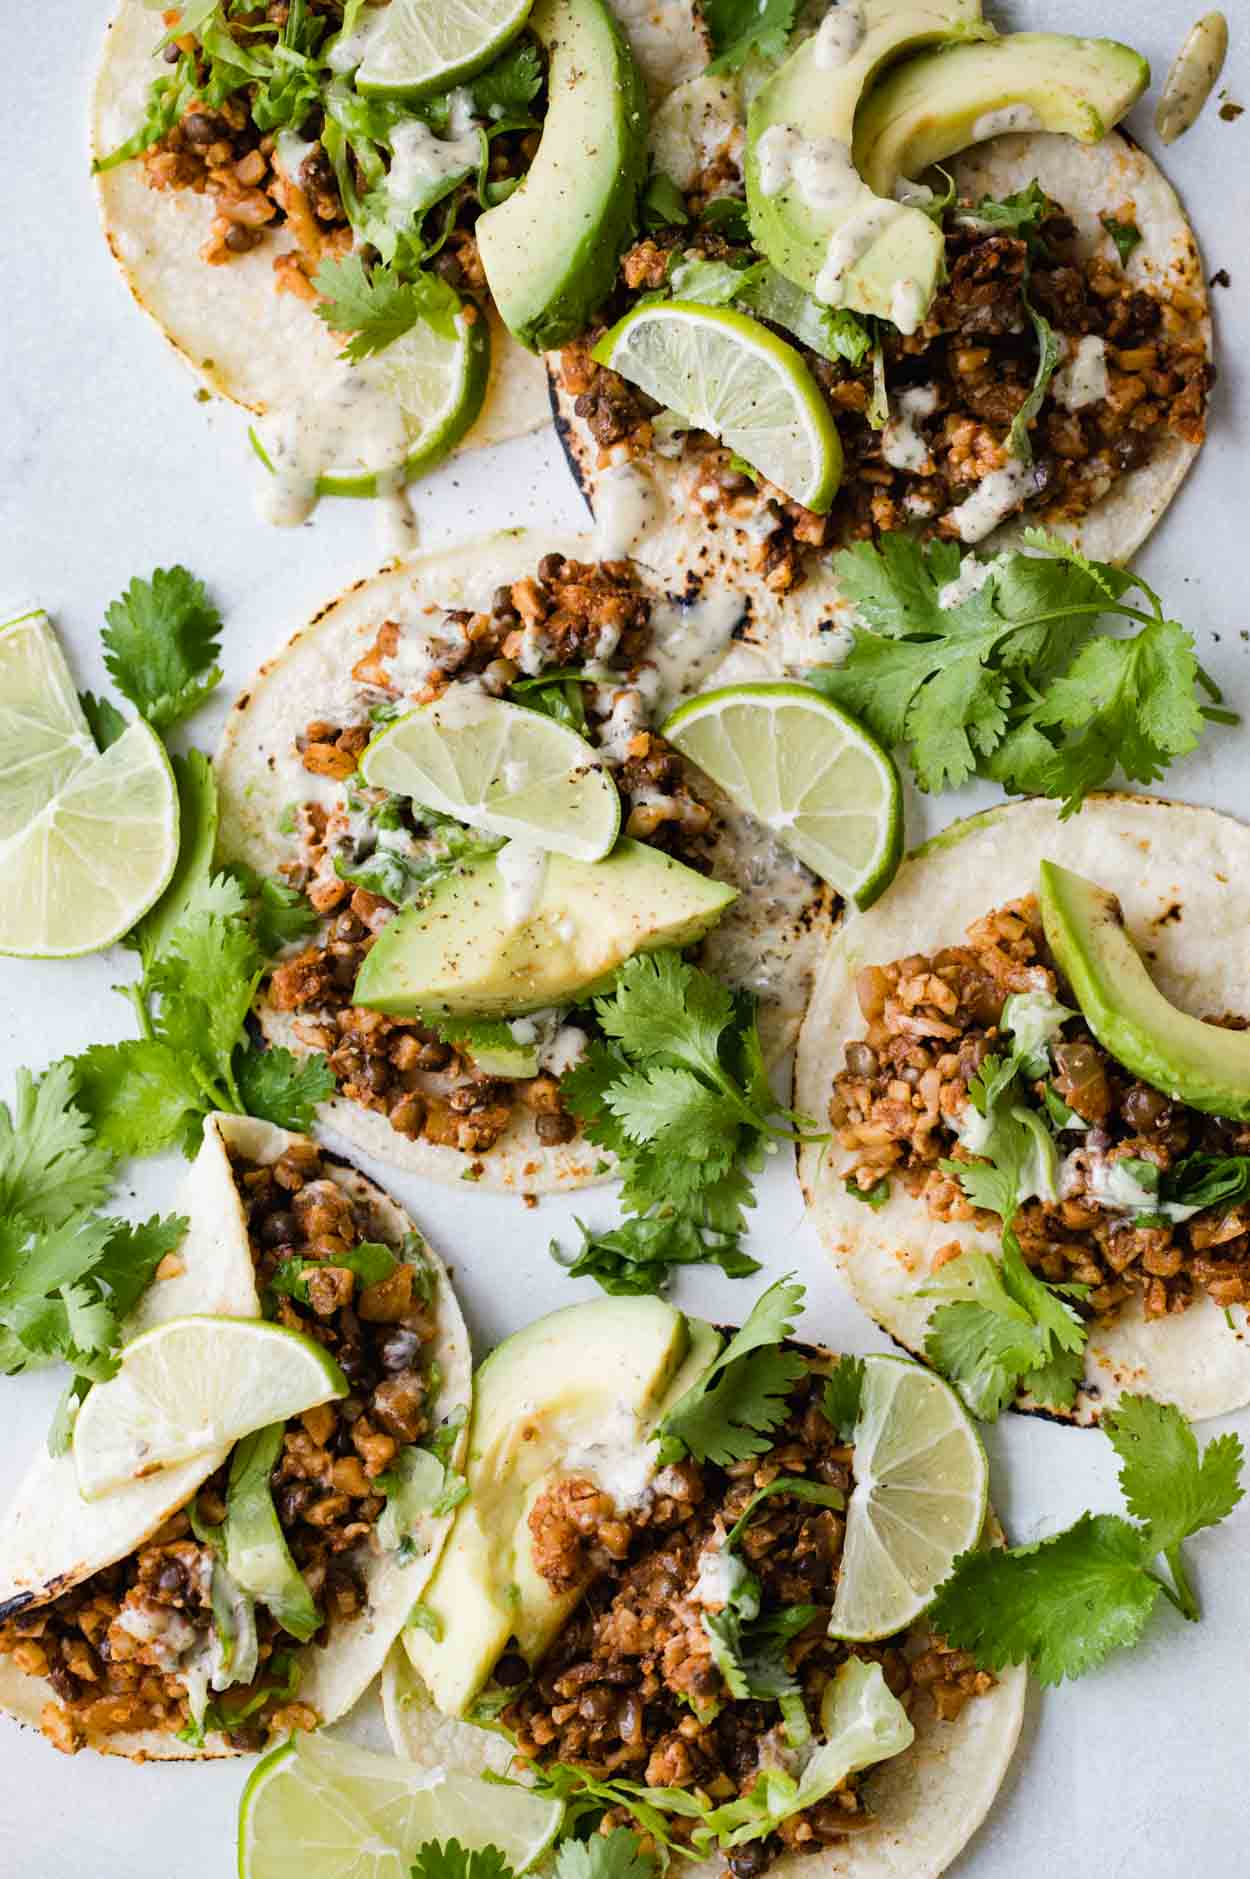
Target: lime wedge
x=320, y=1808
x=501, y=768
x=44, y=734
x=419, y=46
x=193, y=1385
x=438, y=385
x=88, y=840
x=729, y=375
x=807, y=771
x=919, y=1499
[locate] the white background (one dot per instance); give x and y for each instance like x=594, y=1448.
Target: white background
x=109, y=467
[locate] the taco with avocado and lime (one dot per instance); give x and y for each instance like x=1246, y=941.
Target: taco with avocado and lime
x=203, y=1606
x=1033, y=1056
x=671, y=1599
x=949, y=298
x=458, y=765
x=360, y=219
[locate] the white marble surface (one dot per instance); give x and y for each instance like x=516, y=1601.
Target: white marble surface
x=108, y=467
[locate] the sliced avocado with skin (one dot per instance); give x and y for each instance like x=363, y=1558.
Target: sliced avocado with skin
x=1192, y=1062
x=824, y=228
x=550, y=252
x=460, y=953
x=548, y=1391
x=930, y=107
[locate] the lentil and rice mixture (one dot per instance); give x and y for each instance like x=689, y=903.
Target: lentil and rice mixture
x=116, y=1648
x=971, y=366
x=898, y=1100
x=630, y=1689
x=569, y=614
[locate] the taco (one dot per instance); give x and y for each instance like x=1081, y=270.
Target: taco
x=122, y=1625
x=913, y=1002
x=638, y=1629
x=608, y=650
x=1059, y=377
x=239, y=158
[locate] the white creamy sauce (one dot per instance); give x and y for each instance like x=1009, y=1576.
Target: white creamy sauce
x=461, y=117
x=902, y=445
x=395, y=525
x=345, y=53
x=350, y=424
x=1083, y=380
x=850, y=244
x=626, y=717
x=971, y=578
x=568, y=1046
x=993, y=500
x=839, y=36
x=974, y=1129
x=523, y=870
x=618, y=1456
x=719, y=1575
x=291, y=152
x=420, y=160
x=687, y=640
x=627, y=506
x=166, y=1632
x=911, y=194
x=534, y=652
x=697, y=123
x=908, y=304
x=1008, y=117
x=1192, y=77
x=415, y=656
x=1115, y=1187
x=917, y=504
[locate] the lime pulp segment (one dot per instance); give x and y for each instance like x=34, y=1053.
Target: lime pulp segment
x=731, y=376
x=430, y=386
x=43, y=732
x=807, y=771
x=921, y=1480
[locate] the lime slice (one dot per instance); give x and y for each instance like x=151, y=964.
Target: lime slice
x=438, y=385
x=193, y=1385
x=729, y=375
x=789, y=757
x=420, y=46
x=919, y=1499
x=320, y=1808
x=501, y=768
x=43, y=732
x=96, y=854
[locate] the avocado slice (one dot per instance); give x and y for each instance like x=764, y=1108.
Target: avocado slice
x=459, y=952
x=578, y=1391
x=550, y=251
x=930, y=107
x=1195, y=1063
x=811, y=214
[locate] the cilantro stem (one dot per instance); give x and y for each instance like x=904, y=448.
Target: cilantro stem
x=1185, y=1599
x=1209, y=686
x=137, y=995
x=1213, y=716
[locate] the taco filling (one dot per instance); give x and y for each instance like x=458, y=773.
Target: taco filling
x=167, y=1640
x=586, y=644
x=1127, y=1190
x=1042, y=374
x=647, y=1682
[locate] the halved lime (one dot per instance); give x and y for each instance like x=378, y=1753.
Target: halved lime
x=193, y=1385
x=43, y=732
x=89, y=839
x=919, y=1500
x=438, y=385
x=501, y=768
x=727, y=374
x=320, y=1808
x=420, y=46
x=807, y=771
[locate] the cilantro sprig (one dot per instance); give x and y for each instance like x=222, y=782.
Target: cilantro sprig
x=371, y=310
x=731, y=1412
x=1013, y=681
x=161, y=645
x=740, y=27
x=1000, y=1329
x=1064, y=1604
x=679, y=1092
x=616, y=1855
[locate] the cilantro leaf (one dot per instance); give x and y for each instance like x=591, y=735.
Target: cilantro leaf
x=377, y=308
x=279, y=914
x=842, y=1392
x=282, y=1088
x=51, y=1167
x=1049, y=356
x=663, y=205
x=510, y=82
x=730, y=1412
x=1063, y=1605
x=161, y=645
x=666, y=1009
x=103, y=717
x=617, y=1855
x=1126, y=236
x=738, y=27
x=636, y=1258
x=1168, y=1486
x=449, y=1860
x=673, y=1111
x=1001, y=1329
x=127, y=1265
x=1006, y=681
x=1018, y=214
x=138, y=1095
